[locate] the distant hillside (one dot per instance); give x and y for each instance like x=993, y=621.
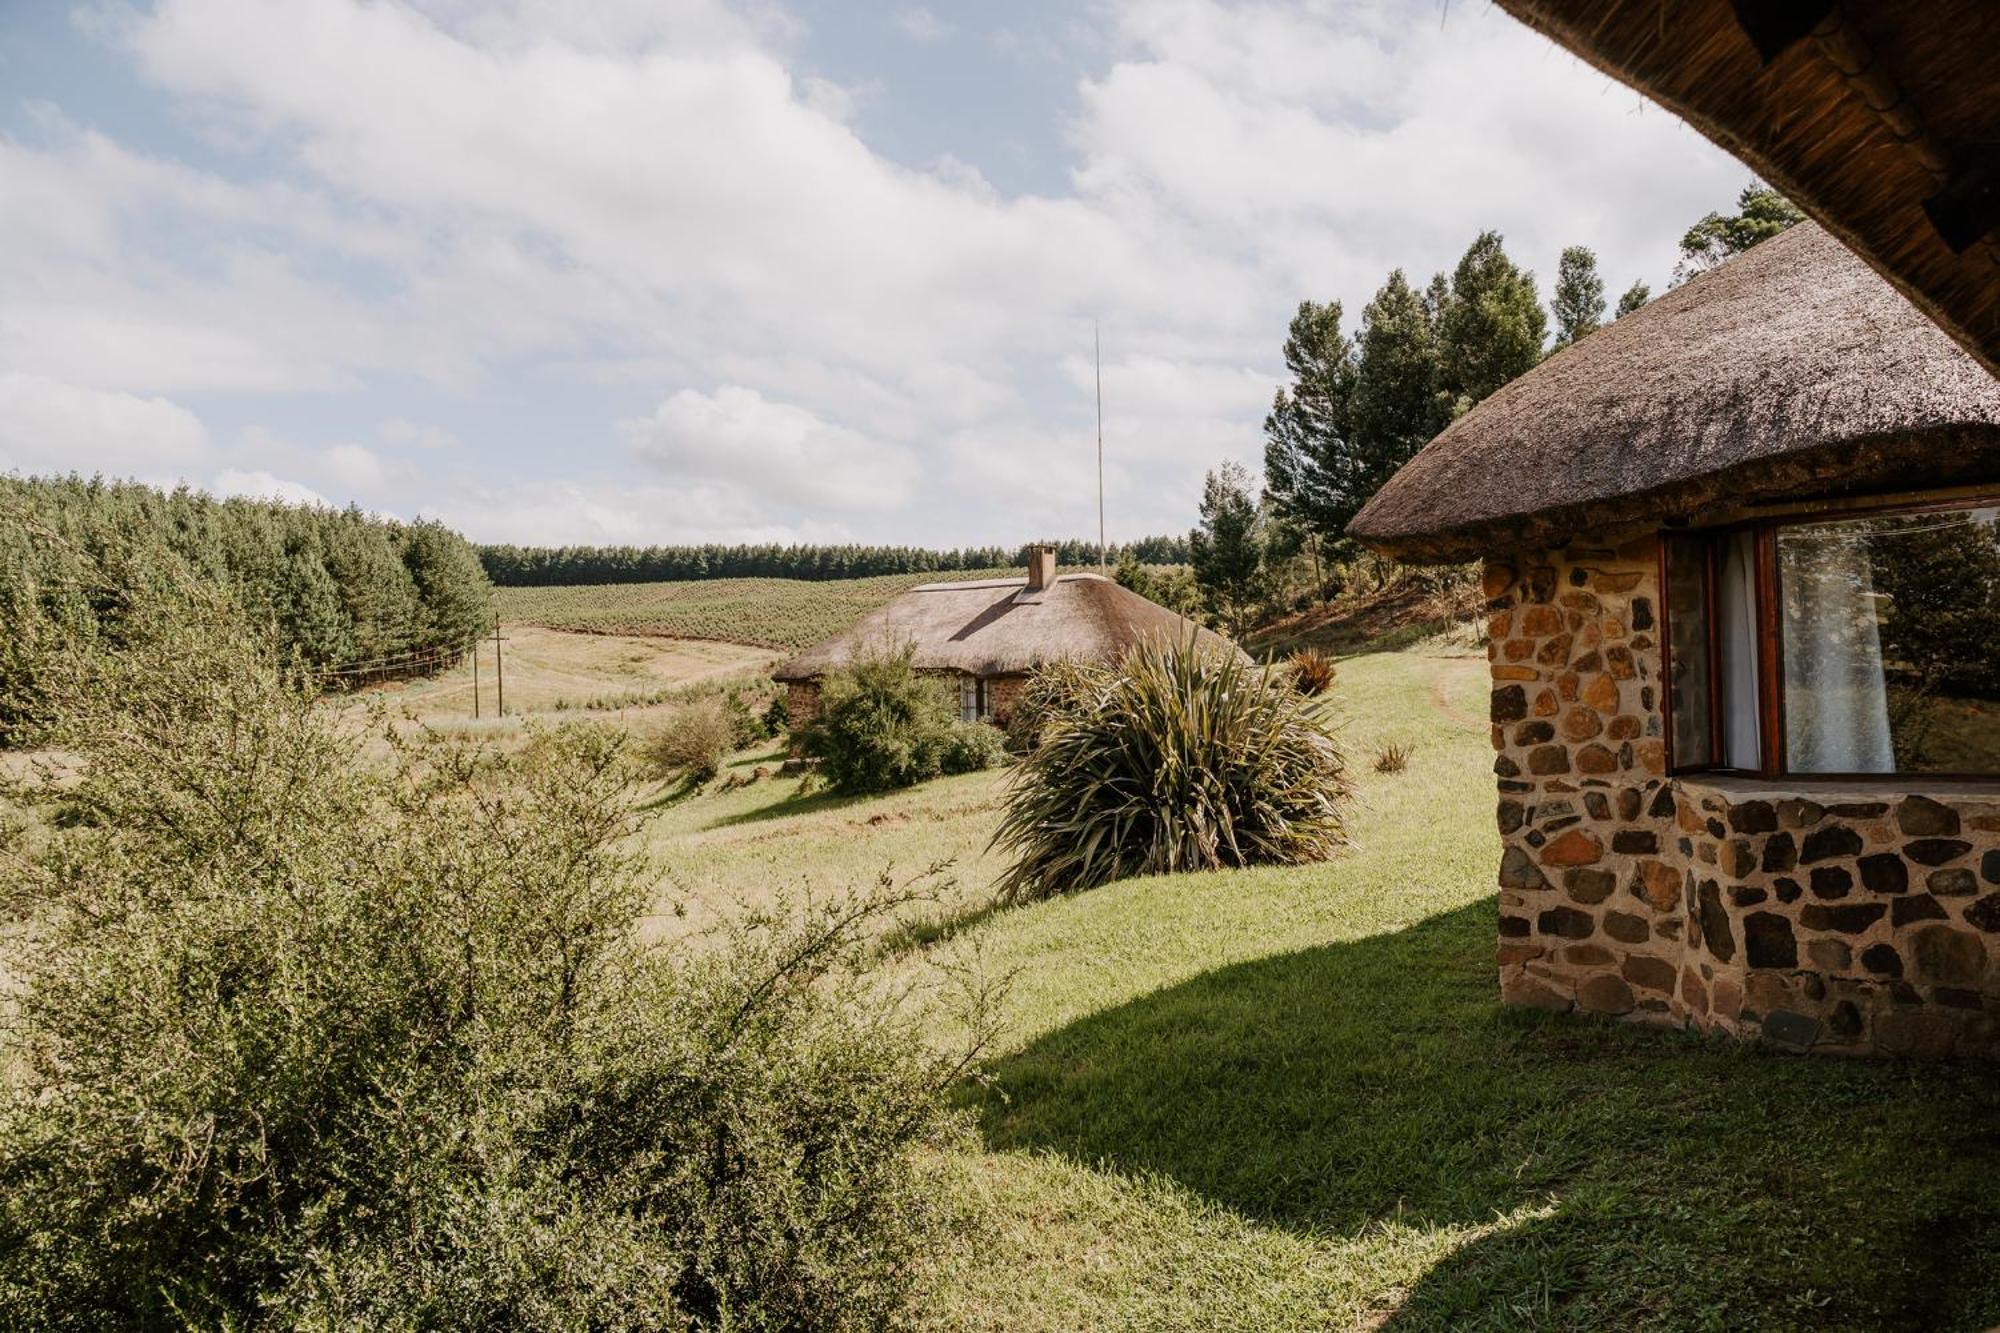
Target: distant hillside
x=555, y=566
x=787, y=614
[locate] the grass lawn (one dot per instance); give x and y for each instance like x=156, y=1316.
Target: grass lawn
x=1288, y=1099
x=546, y=670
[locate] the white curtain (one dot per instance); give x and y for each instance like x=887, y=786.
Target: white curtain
x=1736, y=622
x=1836, y=697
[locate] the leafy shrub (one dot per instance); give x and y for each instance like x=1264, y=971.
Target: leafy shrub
x=972, y=746
x=1050, y=683
x=881, y=724
x=778, y=717
x=1176, y=759
x=300, y=1042
x=694, y=742
x=746, y=724
x=1312, y=671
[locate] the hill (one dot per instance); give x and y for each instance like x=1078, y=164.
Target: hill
x=786, y=614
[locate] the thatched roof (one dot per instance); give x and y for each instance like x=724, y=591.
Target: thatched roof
x=996, y=627
x=1878, y=119
x=1790, y=370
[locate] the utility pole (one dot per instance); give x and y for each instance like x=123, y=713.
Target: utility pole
x=1097, y=355
x=475, y=679
x=499, y=671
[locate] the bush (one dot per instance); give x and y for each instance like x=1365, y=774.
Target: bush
x=695, y=740
x=1176, y=759
x=1051, y=682
x=881, y=724
x=972, y=746
x=299, y=1042
x=1312, y=671
x=778, y=717
x=746, y=724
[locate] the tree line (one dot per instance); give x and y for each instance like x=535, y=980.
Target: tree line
x=345, y=592
x=1360, y=405
x=544, y=566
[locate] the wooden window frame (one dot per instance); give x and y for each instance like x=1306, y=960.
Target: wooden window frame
x=1771, y=745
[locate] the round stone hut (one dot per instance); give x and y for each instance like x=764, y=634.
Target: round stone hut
x=988, y=635
x=1742, y=566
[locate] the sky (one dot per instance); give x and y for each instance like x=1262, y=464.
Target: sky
x=657, y=271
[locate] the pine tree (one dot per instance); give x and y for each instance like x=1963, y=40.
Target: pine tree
x=1226, y=550
x=1635, y=296
x=1578, y=303
x=1492, y=326
x=1761, y=213
x=1305, y=473
x=1397, y=405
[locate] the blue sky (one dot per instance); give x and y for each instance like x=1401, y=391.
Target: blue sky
x=682, y=270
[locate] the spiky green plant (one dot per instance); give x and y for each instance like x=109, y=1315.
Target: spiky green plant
x=1178, y=758
x=1312, y=671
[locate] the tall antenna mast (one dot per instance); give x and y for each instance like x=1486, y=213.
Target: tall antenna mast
x=1097, y=352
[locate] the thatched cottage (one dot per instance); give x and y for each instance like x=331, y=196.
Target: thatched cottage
x=989, y=634
x=1742, y=561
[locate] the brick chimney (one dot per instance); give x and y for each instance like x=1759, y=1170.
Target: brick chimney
x=1041, y=566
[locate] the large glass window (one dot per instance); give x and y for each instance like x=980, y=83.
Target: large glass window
x=1885, y=627
x=1891, y=629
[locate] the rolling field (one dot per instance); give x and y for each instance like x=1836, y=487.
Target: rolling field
x=1288, y=1098
x=787, y=614
x=551, y=671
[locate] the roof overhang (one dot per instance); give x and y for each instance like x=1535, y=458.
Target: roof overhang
x=1880, y=120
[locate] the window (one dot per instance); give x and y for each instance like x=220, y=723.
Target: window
x=1864, y=643
x=971, y=698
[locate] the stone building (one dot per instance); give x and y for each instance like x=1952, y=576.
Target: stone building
x=1742, y=560
x=989, y=634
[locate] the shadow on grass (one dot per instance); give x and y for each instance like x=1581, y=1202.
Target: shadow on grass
x=922, y=931
x=787, y=807
x=1655, y=1177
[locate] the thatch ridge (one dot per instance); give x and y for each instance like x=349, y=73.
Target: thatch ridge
x=1791, y=369
x=995, y=627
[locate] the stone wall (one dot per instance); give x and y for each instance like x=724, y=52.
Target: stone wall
x=1003, y=695
x=801, y=701
x=1821, y=916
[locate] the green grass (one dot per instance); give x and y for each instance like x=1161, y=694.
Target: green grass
x=1288, y=1098
x=777, y=613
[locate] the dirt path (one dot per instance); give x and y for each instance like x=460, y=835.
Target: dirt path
x=1445, y=673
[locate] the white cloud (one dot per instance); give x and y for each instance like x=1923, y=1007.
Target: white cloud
x=356, y=467
x=773, y=449
x=921, y=25
x=48, y=427
x=599, y=512
x=594, y=205
x=259, y=485
x=398, y=431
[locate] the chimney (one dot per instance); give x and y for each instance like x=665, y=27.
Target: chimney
x=1041, y=566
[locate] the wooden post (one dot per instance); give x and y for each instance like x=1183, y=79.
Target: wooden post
x=499, y=671
x=475, y=678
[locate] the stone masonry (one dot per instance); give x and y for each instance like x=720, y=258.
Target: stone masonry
x=1003, y=694
x=1824, y=916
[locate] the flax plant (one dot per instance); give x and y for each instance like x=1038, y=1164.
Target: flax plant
x=1176, y=759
